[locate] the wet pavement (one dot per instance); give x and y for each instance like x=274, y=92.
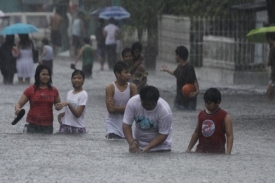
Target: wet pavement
x=92, y=158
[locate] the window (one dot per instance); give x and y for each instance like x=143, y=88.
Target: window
x=38, y=21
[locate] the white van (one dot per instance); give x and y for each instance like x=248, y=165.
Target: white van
x=40, y=20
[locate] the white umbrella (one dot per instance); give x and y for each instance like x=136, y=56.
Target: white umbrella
x=2, y=14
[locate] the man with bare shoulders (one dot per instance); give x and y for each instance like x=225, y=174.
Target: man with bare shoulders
x=117, y=95
x=55, y=24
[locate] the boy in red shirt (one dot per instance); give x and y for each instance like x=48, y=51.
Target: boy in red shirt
x=214, y=127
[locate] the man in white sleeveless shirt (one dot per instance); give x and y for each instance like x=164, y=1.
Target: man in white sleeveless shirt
x=153, y=122
x=117, y=95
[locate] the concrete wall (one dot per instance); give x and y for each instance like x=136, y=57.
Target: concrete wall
x=172, y=32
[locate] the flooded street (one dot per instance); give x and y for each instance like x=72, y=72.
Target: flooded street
x=92, y=158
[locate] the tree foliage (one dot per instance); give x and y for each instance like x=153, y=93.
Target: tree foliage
x=201, y=8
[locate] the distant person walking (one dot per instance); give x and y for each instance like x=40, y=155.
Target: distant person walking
x=117, y=95
x=111, y=33
x=47, y=54
x=56, y=37
x=185, y=74
x=24, y=59
x=100, y=39
x=78, y=31
x=86, y=52
x=7, y=60
x=72, y=120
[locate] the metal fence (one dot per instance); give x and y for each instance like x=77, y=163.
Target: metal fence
x=245, y=55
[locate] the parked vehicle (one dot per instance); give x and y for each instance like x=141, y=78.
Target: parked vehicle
x=39, y=19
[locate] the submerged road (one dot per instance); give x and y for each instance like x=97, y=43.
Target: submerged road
x=92, y=158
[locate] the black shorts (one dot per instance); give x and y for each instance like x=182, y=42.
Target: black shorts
x=33, y=128
x=76, y=41
x=56, y=38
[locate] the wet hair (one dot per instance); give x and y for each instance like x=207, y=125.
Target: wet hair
x=78, y=72
x=87, y=40
x=38, y=70
x=45, y=41
x=9, y=40
x=212, y=95
x=182, y=52
x=149, y=93
x=137, y=46
x=119, y=66
x=112, y=20
x=125, y=50
x=25, y=41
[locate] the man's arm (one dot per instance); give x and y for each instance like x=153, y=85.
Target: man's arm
x=229, y=134
x=110, y=103
x=133, y=144
x=159, y=139
x=193, y=139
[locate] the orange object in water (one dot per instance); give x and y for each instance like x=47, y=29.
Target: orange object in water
x=187, y=89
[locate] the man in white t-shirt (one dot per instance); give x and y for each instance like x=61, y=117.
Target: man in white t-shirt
x=153, y=122
x=111, y=33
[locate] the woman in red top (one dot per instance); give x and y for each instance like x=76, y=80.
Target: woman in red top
x=214, y=128
x=41, y=96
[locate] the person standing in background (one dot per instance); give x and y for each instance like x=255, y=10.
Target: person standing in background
x=7, y=60
x=47, y=54
x=270, y=37
x=78, y=31
x=56, y=37
x=185, y=74
x=89, y=23
x=111, y=33
x=86, y=52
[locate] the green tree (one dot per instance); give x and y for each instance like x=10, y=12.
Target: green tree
x=144, y=16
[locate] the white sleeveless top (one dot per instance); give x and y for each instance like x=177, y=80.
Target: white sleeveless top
x=114, y=121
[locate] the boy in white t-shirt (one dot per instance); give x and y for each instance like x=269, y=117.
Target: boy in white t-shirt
x=72, y=120
x=153, y=122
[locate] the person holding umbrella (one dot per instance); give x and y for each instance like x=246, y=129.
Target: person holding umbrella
x=270, y=37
